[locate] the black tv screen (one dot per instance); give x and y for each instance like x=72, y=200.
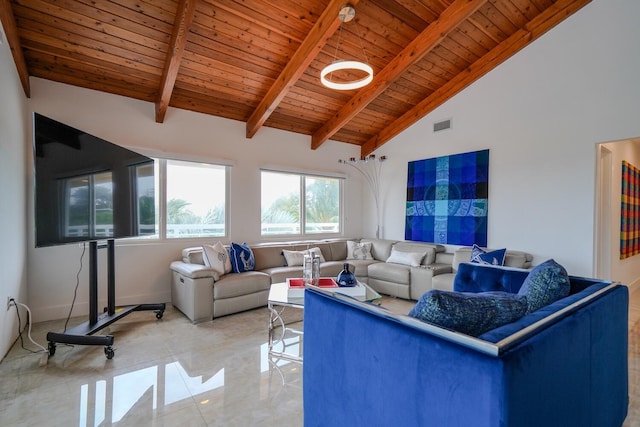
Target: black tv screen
x=87, y=188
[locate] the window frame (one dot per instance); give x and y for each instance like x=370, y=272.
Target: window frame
x=160, y=170
x=302, y=176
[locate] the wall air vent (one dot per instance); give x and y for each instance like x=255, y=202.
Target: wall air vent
x=443, y=125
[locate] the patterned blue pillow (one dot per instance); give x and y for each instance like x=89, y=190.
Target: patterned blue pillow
x=480, y=256
x=467, y=312
x=546, y=283
x=241, y=257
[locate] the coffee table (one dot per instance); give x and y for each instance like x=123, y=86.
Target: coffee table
x=278, y=301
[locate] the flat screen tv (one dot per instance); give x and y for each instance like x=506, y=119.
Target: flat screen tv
x=87, y=188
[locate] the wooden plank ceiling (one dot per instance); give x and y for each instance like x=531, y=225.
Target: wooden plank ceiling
x=259, y=61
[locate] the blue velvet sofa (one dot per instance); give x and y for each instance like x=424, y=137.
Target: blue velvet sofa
x=562, y=365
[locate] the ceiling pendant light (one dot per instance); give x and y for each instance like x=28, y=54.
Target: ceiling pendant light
x=346, y=14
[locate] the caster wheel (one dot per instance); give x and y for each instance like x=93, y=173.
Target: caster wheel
x=159, y=314
x=52, y=348
x=109, y=352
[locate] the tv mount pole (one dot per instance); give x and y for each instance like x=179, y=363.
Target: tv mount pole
x=83, y=333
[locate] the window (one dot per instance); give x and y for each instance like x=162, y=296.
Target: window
x=283, y=213
x=192, y=196
x=195, y=199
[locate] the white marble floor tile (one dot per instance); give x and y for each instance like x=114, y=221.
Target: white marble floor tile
x=170, y=372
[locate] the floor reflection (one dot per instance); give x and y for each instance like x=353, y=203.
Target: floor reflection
x=167, y=372
x=110, y=400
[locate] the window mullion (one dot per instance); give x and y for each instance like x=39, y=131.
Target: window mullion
x=162, y=196
x=303, y=205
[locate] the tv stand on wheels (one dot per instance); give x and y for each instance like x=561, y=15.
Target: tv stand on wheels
x=83, y=333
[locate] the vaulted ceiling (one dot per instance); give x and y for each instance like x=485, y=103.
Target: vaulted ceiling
x=259, y=61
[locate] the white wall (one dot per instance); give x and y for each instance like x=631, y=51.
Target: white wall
x=142, y=270
x=13, y=181
x=540, y=114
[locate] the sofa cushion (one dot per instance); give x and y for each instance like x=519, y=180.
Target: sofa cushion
x=269, y=255
x=546, y=283
x=295, y=258
x=389, y=272
x=412, y=259
x=238, y=285
x=333, y=268
x=518, y=259
x=217, y=257
x=281, y=274
x=481, y=256
x=338, y=250
x=361, y=266
x=241, y=257
x=502, y=332
x=381, y=248
x=359, y=250
x=429, y=249
x=322, y=250
x=469, y=313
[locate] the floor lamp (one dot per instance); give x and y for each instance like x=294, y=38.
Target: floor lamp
x=370, y=168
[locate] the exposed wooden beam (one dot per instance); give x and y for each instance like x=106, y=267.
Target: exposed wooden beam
x=326, y=25
x=455, y=14
x=548, y=19
x=11, y=32
x=184, y=16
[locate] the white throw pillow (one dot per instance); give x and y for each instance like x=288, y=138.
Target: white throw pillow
x=317, y=252
x=297, y=257
x=294, y=257
x=217, y=258
x=358, y=250
x=414, y=259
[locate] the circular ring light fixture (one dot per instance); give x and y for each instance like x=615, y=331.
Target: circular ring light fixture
x=343, y=65
x=346, y=14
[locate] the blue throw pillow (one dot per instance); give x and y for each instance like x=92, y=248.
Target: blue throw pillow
x=480, y=256
x=470, y=313
x=546, y=283
x=241, y=257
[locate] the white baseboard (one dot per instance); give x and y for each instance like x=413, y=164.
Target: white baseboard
x=42, y=314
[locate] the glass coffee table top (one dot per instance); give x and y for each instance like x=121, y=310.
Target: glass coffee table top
x=277, y=303
x=279, y=295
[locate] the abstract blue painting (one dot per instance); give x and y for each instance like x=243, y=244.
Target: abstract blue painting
x=448, y=199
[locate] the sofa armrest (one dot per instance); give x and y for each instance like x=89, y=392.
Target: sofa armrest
x=438, y=268
x=194, y=271
x=193, y=255
x=422, y=278
x=443, y=276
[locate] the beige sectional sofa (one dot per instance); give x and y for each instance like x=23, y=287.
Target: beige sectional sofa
x=414, y=268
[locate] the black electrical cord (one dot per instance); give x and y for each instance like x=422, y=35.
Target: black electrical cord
x=75, y=292
x=20, y=327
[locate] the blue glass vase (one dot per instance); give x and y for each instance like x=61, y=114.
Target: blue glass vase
x=346, y=278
